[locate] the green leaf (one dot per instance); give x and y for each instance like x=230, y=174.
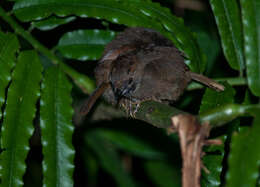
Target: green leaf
x=131, y=143
x=210, y=47
x=9, y=45
x=227, y=15
x=251, y=26
x=56, y=128
x=109, y=159
x=111, y=10
x=51, y=22
x=213, y=162
x=214, y=154
x=212, y=99
x=150, y=15
x=244, y=157
x=18, y=122
x=163, y=174
x=82, y=81
x=84, y=44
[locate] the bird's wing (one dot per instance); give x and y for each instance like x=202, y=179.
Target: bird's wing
x=164, y=76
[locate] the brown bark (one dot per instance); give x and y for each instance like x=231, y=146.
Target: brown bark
x=192, y=137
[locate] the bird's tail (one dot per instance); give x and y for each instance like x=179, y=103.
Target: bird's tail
x=93, y=98
x=207, y=81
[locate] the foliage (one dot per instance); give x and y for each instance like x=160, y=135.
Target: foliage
x=20, y=110
x=56, y=128
x=227, y=16
x=65, y=38
x=84, y=44
x=215, y=154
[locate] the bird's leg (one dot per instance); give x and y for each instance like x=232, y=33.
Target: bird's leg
x=130, y=113
x=130, y=106
x=124, y=104
x=137, y=106
x=134, y=109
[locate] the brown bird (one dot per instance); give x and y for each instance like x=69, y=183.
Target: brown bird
x=139, y=65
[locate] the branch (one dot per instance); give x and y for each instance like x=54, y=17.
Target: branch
x=193, y=136
x=159, y=114
x=85, y=83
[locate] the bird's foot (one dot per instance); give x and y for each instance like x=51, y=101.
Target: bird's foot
x=130, y=107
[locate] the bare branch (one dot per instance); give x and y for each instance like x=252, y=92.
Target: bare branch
x=192, y=139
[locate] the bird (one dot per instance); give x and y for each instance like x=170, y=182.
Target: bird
x=139, y=65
